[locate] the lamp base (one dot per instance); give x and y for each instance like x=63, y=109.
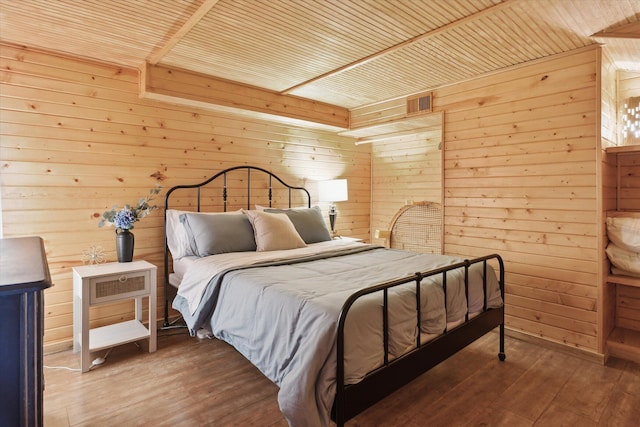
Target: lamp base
x=333, y=214
x=332, y=217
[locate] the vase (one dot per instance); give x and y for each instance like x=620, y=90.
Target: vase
x=124, y=245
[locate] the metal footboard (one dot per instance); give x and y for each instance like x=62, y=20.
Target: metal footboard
x=352, y=399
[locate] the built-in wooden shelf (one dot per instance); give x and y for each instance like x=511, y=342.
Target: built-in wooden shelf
x=624, y=280
x=623, y=149
x=622, y=342
x=623, y=214
x=625, y=344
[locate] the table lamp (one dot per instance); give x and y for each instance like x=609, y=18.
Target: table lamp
x=333, y=190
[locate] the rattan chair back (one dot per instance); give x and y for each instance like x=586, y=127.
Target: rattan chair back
x=418, y=228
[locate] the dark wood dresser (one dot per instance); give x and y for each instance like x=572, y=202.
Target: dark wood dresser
x=24, y=274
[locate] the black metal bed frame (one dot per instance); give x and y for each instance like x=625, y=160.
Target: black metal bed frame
x=351, y=399
x=224, y=195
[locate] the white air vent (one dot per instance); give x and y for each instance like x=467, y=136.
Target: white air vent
x=420, y=104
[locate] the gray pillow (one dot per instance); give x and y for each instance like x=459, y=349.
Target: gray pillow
x=220, y=233
x=308, y=222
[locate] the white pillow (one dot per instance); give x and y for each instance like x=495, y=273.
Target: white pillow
x=624, y=232
x=623, y=259
x=274, y=231
x=177, y=237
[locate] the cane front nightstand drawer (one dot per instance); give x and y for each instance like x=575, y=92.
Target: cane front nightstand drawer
x=116, y=287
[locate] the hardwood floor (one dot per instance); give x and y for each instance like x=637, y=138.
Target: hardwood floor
x=191, y=382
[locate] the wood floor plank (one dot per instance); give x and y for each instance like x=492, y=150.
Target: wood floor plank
x=497, y=416
x=601, y=380
x=630, y=380
x=623, y=410
x=532, y=393
x=191, y=382
x=558, y=415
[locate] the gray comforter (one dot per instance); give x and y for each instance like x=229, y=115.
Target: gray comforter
x=283, y=316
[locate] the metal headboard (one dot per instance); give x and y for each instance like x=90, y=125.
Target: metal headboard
x=224, y=197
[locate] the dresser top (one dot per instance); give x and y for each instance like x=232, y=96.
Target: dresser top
x=23, y=264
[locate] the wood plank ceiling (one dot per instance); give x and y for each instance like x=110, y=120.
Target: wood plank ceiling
x=347, y=53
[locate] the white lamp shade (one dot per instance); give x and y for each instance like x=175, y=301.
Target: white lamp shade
x=333, y=190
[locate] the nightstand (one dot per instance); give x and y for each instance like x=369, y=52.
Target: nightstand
x=107, y=283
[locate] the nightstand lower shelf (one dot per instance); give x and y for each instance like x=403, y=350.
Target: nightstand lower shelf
x=116, y=334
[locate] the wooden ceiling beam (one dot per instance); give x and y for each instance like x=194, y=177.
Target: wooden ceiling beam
x=627, y=31
x=157, y=55
x=185, y=87
x=394, y=48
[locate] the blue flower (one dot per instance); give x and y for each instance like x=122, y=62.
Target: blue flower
x=125, y=218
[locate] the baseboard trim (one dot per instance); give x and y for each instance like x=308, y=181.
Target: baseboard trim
x=552, y=345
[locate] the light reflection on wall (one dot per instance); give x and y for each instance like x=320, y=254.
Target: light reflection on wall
x=630, y=121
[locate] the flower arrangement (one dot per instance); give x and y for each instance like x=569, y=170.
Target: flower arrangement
x=125, y=218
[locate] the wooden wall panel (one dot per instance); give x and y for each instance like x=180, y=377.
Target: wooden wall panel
x=521, y=172
x=404, y=171
x=628, y=308
x=76, y=139
x=609, y=100
x=537, y=175
x=629, y=170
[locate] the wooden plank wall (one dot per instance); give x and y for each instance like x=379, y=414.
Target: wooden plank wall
x=628, y=308
x=608, y=101
x=629, y=170
x=404, y=171
x=608, y=181
x=76, y=139
x=520, y=179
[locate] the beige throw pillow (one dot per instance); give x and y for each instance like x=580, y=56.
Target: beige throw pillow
x=274, y=231
x=624, y=232
x=623, y=259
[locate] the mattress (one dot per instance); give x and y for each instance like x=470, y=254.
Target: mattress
x=180, y=267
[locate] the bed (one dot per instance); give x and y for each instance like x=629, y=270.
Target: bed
x=336, y=324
